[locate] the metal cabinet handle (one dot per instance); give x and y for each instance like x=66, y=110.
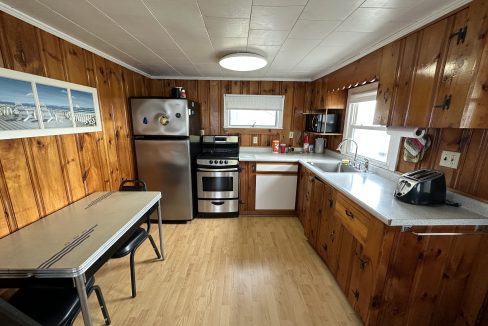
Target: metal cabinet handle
x=363, y=262
x=446, y=103
x=217, y=203
x=355, y=292
x=349, y=213
x=479, y=230
x=461, y=35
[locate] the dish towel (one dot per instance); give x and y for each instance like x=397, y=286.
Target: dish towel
x=414, y=148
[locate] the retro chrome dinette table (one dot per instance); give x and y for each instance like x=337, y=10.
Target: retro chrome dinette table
x=77, y=240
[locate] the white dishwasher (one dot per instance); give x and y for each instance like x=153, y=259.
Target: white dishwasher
x=276, y=186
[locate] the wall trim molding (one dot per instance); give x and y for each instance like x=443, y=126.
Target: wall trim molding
x=393, y=37
x=231, y=78
x=47, y=28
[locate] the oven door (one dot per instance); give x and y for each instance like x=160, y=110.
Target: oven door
x=218, y=183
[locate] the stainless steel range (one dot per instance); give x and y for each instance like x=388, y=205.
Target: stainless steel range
x=218, y=176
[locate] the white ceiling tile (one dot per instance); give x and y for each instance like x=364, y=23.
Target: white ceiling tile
x=330, y=9
x=274, y=18
x=133, y=17
x=392, y=3
x=320, y=56
x=313, y=29
x=263, y=37
x=229, y=43
x=368, y=20
x=299, y=46
x=344, y=38
x=209, y=69
x=268, y=51
x=227, y=27
x=226, y=8
x=279, y=2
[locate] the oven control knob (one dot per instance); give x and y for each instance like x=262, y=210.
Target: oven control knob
x=221, y=162
x=226, y=161
x=211, y=162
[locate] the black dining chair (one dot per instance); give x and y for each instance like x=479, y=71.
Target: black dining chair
x=48, y=305
x=139, y=235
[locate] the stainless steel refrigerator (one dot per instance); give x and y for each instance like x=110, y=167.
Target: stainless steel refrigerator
x=166, y=137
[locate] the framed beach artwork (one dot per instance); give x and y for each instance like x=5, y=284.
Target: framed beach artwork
x=32, y=106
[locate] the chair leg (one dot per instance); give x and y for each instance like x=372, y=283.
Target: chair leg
x=103, y=306
x=133, y=273
x=154, y=246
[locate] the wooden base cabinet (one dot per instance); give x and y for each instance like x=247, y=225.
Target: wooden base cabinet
x=392, y=276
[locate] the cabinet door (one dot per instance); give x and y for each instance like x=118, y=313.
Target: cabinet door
x=368, y=270
x=325, y=234
x=301, y=193
x=426, y=72
x=403, y=91
x=316, y=211
x=243, y=186
x=464, y=51
x=386, y=88
x=307, y=205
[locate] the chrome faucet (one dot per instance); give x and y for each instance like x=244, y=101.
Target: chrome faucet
x=341, y=144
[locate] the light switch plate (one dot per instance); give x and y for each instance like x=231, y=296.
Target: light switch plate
x=450, y=159
x=254, y=139
x=290, y=134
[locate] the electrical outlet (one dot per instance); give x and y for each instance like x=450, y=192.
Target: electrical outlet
x=450, y=159
x=254, y=139
x=290, y=134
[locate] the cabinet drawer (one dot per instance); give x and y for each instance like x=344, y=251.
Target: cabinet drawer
x=353, y=217
x=264, y=167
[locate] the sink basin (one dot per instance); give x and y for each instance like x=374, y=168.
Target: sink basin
x=334, y=167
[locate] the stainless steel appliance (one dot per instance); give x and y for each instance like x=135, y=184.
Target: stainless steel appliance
x=422, y=187
x=166, y=136
x=318, y=122
x=218, y=176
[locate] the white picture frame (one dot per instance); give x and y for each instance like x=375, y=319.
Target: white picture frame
x=33, y=106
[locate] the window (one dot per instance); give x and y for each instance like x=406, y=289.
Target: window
x=253, y=111
x=373, y=141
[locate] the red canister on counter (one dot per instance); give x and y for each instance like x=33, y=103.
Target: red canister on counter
x=275, y=146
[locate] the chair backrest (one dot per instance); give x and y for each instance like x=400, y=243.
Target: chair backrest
x=137, y=185
x=11, y=316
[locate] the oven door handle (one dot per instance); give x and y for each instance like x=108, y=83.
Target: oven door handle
x=218, y=170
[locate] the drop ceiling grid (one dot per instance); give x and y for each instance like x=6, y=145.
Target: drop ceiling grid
x=52, y=11
x=132, y=36
x=185, y=38
x=92, y=20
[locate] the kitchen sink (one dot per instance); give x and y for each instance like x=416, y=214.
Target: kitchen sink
x=334, y=167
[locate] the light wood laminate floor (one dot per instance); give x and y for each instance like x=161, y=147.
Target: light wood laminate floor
x=231, y=271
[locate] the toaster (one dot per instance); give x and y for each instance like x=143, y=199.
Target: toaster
x=422, y=187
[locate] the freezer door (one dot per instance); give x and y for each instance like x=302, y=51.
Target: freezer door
x=160, y=117
x=165, y=166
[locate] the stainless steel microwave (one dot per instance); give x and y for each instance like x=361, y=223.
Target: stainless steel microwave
x=318, y=122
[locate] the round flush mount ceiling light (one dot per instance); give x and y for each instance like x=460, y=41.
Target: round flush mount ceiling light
x=243, y=61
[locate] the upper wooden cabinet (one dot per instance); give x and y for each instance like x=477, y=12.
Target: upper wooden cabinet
x=437, y=76
x=463, y=82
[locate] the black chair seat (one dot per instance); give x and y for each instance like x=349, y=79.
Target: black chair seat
x=132, y=243
x=51, y=306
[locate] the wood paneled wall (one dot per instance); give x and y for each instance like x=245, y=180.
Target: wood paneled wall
x=210, y=94
x=43, y=174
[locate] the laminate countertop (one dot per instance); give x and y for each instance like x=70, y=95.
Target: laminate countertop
x=374, y=193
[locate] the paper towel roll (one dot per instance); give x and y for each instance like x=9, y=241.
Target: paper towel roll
x=406, y=132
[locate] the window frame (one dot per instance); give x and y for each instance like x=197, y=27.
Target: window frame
x=363, y=94
x=279, y=114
